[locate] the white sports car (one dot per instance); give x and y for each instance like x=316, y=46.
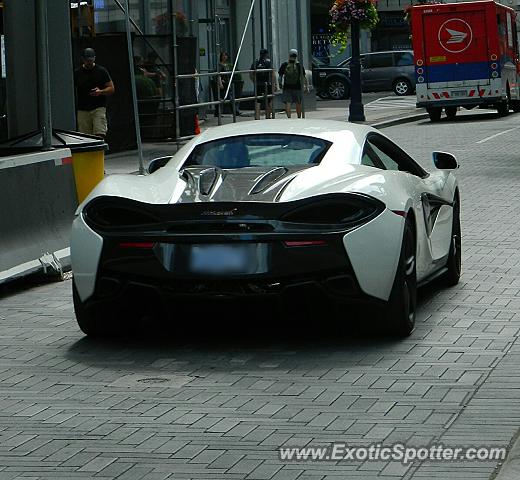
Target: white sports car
x=268, y=208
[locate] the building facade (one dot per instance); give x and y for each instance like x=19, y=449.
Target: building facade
x=200, y=28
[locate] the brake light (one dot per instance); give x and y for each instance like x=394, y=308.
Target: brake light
x=401, y=213
x=305, y=243
x=140, y=245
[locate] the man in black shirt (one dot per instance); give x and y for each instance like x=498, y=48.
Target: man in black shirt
x=93, y=85
x=264, y=79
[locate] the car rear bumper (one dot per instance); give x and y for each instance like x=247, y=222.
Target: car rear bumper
x=264, y=257
x=169, y=270
x=131, y=294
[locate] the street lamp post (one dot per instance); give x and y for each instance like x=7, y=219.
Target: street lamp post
x=356, y=110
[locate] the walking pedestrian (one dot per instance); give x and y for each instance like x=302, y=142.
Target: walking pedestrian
x=93, y=84
x=221, y=82
x=154, y=71
x=292, y=76
x=266, y=84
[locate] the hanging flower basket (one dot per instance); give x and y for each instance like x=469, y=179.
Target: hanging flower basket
x=344, y=12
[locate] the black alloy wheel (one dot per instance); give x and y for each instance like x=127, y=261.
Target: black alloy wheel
x=402, y=87
x=338, y=89
x=401, y=308
x=454, y=263
x=323, y=95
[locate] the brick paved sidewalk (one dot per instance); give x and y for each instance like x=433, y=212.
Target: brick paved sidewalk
x=181, y=408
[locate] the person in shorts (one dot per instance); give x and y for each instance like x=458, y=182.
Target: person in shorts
x=93, y=86
x=264, y=80
x=294, y=81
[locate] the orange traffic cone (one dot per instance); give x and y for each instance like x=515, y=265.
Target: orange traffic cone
x=197, y=126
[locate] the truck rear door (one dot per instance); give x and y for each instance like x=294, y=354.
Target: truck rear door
x=456, y=48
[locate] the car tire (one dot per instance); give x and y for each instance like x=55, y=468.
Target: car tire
x=451, y=112
x=503, y=108
x=338, y=89
x=454, y=263
x=402, y=87
x=434, y=114
x=91, y=322
x=400, y=313
x=323, y=95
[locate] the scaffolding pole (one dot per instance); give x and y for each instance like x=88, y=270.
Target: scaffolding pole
x=269, y=33
x=176, y=76
x=240, y=47
x=44, y=85
x=300, y=50
x=133, y=89
x=216, y=39
x=253, y=43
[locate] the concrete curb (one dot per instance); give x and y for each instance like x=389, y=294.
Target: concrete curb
x=400, y=120
x=510, y=468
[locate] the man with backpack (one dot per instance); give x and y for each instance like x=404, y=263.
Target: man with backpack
x=265, y=82
x=292, y=76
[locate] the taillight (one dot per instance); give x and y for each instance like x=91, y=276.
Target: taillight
x=401, y=213
x=305, y=243
x=338, y=209
x=118, y=213
x=324, y=214
x=137, y=245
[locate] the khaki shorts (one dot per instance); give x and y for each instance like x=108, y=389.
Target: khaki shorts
x=93, y=122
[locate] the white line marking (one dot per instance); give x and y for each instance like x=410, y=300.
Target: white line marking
x=497, y=135
x=391, y=102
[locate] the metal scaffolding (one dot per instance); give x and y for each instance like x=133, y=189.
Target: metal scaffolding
x=219, y=101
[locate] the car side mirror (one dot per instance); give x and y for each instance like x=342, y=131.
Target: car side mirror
x=445, y=161
x=157, y=163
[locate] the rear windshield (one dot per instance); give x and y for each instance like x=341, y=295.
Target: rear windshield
x=263, y=150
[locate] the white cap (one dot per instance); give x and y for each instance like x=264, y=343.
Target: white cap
x=293, y=51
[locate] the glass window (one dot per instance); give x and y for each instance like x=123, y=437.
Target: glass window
x=387, y=155
x=366, y=159
x=386, y=160
x=265, y=150
x=379, y=60
x=403, y=59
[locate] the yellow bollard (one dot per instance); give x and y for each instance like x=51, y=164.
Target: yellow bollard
x=89, y=170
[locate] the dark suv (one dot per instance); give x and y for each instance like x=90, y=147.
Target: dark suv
x=381, y=71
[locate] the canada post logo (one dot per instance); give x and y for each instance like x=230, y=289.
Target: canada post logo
x=455, y=35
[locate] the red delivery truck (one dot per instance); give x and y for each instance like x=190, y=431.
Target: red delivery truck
x=466, y=55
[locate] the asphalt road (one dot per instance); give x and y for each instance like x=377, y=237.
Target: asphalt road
x=367, y=98
x=201, y=407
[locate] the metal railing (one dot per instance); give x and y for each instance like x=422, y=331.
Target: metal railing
x=220, y=102
x=267, y=97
